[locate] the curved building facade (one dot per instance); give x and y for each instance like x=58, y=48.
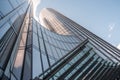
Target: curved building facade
x=55, y=49
x=92, y=58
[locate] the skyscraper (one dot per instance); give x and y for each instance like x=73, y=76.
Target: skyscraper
x=92, y=58
x=15, y=27
x=58, y=49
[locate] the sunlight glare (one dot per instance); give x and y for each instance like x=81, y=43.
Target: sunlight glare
x=35, y=4
x=118, y=46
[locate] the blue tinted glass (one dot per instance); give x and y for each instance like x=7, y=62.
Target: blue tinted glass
x=14, y=3
x=5, y=9
x=4, y=29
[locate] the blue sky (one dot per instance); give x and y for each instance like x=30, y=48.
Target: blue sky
x=101, y=17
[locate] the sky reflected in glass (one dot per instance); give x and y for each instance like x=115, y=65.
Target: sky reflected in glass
x=101, y=17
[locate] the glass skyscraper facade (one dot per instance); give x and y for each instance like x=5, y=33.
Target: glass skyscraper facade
x=55, y=49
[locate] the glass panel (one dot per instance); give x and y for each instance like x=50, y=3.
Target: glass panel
x=41, y=44
x=54, y=52
x=14, y=18
x=39, y=31
x=45, y=61
x=37, y=68
x=18, y=64
x=52, y=61
x=34, y=27
x=20, y=1
x=25, y=5
x=35, y=40
x=20, y=11
x=12, y=77
x=14, y=3
x=63, y=52
x=45, y=37
x=16, y=21
x=48, y=48
x=4, y=29
x=5, y=9
x=58, y=52
x=49, y=40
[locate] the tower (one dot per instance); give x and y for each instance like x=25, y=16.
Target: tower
x=92, y=58
x=57, y=49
